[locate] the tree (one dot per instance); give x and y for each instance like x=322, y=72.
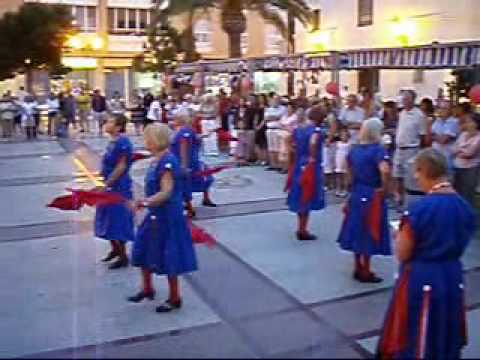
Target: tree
x=33, y=38
x=233, y=19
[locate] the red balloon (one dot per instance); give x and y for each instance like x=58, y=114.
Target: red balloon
x=332, y=88
x=474, y=94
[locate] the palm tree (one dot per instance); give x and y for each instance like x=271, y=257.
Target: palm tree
x=233, y=18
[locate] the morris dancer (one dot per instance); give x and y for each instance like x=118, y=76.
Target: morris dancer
x=426, y=317
x=186, y=147
x=163, y=244
x=365, y=230
x=115, y=222
x=305, y=178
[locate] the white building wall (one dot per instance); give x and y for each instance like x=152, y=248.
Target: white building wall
x=434, y=20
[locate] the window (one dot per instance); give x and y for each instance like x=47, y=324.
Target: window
x=79, y=16
x=203, y=36
x=365, y=12
x=131, y=19
x=91, y=17
x=143, y=19
x=111, y=19
x=121, y=19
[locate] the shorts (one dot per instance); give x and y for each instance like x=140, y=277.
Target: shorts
x=402, y=161
x=283, y=145
x=329, y=159
x=273, y=140
x=341, y=163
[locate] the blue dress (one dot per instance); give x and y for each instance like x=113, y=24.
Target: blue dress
x=191, y=181
x=301, y=138
x=365, y=229
x=116, y=222
x=441, y=226
x=164, y=243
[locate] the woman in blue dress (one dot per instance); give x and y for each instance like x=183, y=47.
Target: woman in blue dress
x=186, y=147
x=115, y=222
x=163, y=244
x=305, y=179
x=426, y=317
x=365, y=230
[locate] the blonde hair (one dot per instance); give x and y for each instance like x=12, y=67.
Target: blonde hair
x=371, y=131
x=184, y=116
x=160, y=134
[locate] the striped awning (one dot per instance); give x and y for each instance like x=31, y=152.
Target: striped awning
x=426, y=57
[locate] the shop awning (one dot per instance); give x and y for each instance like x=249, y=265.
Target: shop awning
x=435, y=56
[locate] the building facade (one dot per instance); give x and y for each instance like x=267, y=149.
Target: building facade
x=370, y=24
x=118, y=30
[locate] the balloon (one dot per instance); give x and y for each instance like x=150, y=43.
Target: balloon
x=332, y=88
x=474, y=94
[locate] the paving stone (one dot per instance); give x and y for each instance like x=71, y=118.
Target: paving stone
x=356, y=316
x=289, y=331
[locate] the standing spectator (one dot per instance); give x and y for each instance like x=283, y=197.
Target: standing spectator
x=84, y=107
x=260, y=131
x=224, y=105
x=368, y=104
x=209, y=114
x=53, y=105
x=466, y=161
x=272, y=115
x=239, y=125
x=428, y=110
x=352, y=117
x=28, y=117
x=99, y=110
x=329, y=150
x=342, y=148
x=116, y=104
x=249, y=128
x=8, y=111
x=390, y=123
x=445, y=130
x=69, y=110
x=147, y=100
x=154, y=113
x=410, y=136
x=137, y=113
x=287, y=124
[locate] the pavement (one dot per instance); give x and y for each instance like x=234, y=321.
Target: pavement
x=259, y=294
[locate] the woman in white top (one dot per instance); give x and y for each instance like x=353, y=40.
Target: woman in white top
x=28, y=118
x=466, y=152
x=286, y=124
x=210, y=123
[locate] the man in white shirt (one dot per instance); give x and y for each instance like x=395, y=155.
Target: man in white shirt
x=273, y=114
x=155, y=111
x=352, y=116
x=410, y=137
x=445, y=130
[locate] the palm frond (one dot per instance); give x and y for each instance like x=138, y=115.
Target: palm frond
x=271, y=15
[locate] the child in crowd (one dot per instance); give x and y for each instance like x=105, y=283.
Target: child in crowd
x=342, y=149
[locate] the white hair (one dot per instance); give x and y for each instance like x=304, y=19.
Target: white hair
x=371, y=131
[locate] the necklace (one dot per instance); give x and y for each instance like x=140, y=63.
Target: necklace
x=440, y=186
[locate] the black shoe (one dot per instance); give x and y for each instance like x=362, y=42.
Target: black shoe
x=305, y=236
x=120, y=263
x=270, y=168
x=168, y=306
x=111, y=255
x=209, y=204
x=370, y=278
x=140, y=296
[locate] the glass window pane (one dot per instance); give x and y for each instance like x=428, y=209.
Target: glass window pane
x=121, y=23
x=132, y=23
x=80, y=16
x=92, y=17
x=143, y=19
x=111, y=19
